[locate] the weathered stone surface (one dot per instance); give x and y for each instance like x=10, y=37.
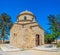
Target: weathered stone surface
x=26, y=33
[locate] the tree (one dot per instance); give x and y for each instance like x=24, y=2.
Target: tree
x=58, y=22
x=49, y=38
x=5, y=25
x=54, y=24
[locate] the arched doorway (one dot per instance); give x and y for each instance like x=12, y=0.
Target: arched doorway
x=37, y=40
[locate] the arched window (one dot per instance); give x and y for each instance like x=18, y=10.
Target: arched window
x=25, y=18
x=15, y=34
x=33, y=19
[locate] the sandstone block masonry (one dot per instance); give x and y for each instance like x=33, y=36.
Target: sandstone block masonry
x=26, y=32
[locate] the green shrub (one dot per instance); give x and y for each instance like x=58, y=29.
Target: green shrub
x=58, y=45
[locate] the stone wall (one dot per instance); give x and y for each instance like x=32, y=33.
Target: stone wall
x=25, y=36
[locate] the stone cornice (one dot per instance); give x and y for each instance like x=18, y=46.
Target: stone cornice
x=30, y=23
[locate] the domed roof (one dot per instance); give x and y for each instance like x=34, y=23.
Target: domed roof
x=26, y=12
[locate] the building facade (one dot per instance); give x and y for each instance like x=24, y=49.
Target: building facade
x=26, y=32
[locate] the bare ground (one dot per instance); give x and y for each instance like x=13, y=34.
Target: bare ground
x=30, y=52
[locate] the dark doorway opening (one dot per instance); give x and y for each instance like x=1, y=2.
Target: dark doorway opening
x=37, y=40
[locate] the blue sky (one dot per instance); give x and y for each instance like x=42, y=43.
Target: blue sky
x=40, y=8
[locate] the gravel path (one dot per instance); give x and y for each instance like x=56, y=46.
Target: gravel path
x=29, y=52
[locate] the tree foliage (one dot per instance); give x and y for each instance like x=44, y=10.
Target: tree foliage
x=54, y=27
x=49, y=37
x=5, y=25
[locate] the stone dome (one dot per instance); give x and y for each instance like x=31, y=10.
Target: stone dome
x=26, y=16
x=26, y=12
